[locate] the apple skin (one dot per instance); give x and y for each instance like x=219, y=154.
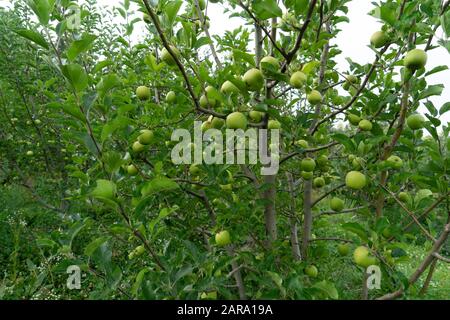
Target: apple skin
x=167, y=57
x=343, y=249
x=194, y=170
x=394, y=162
x=308, y=165
x=206, y=126
x=206, y=103
x=337, y=204
x=138, y=147
x=146, y=137
x=217, y=123
x=314, y=97
x=30, y=153
x=228, y=87
x=415, y=59
x=273, y=125
x=362, y=258
x=353, y=119
x=322, y=160
x=271, y=61
x=404, y=197
x=319, y=182
x=351, y=79
x=365, y=125
x=307, y=175
x=415, y=121
x=143, y=93
x=254, y=79
x=132, y=170
x=298, y=79
x=256, y=116
x=236, y=120
x=223, y=238
x=302, y=143
x=105, y=189
x=311, y=271
x=379, y=39
x=355, y=180
x=171, y=97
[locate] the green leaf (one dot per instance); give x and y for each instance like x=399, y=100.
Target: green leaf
x=94, y=245
x=171, y=9
x=76, y=76
x=345, y=141
x=107, y=83
x=445, y=23
x=435, y=90
x=445, y=108
x=266, y=9
x=159, y=184
x=80, y=46
x=328, y=288
x=357, y=229
x=42, y=9
x=33, y=36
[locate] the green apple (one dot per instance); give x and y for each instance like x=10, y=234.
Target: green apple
x=302, y=143
x=351, y=157
x=365, y=125
x=229, y=88
x=351, y=79
x=171, y=97
x=167, y=57
x=236, y=120
x=30, y=153
x=415, y=121
x=217, y=123
x=308, y=165
x=143, y=93
x=132, y=170
x=362, y=258
x=37, y=121
x=146, y=137
x=386, y=233
x=298, y=79
x=223, y=238
x=207, y=102
x=194, y=170
x=307, y=175
x=269, y=60
x=273, y=125
x=357, y=163
x=343, y=249
x=311, y=271
x=416, y=59
x=105, y=189
x=322, y=160
x=138, y=147
x=256, y=116
x=319, y=182
x=254, y=79
x=404, y=197
x=353, y=119
x=337, y=204
x=394, y=162
x=355, y=180
x=379, y=39
x=206, y=126
x=314, y=97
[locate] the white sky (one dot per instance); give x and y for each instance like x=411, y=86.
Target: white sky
x=353, y=41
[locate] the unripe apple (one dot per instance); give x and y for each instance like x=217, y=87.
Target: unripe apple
x=379, y=39
x=343, y=249
x=202, y=4
x=357, y=163
x=322, y=160
x=314, y=97
x=171, y=97
x=416, y=59
x=319, y=182
x=223, y=238
x=311, y=271
x=217, y=123
x=105, y=189
x=362, y=258
x=132, y=170
x=228, y=87
x=351, y=157
x=254, y=79
x=351, y=79
x=386, y=233
x=365, y=125
x=138, y=147
x=337, y=204
x=302, y=143
x=139, y=250
x=30, y=153
x=37, y=121
x=404, y=197
x=143, y=93
x=269, y=60
x=353, y=119
x=207, y=102
x=167, y=57
x=308, y=165
x=206, y=126
x=256, y=116
x=194, y=170
x=146, y=137
x=415, y=121
x=355, y=180
x=236, y=120
x=298, y=79
x=273, y=125
x=394, y=162
x=307, y=175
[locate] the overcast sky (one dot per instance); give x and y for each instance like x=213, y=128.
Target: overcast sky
x=353, y=41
